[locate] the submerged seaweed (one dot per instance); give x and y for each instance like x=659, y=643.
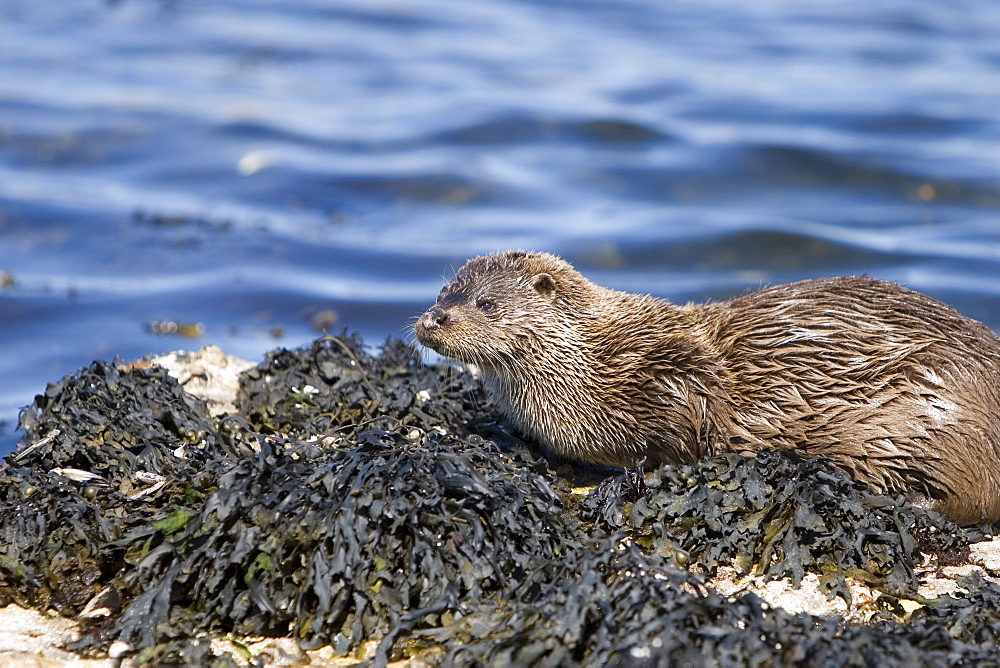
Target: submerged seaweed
x=353, y=500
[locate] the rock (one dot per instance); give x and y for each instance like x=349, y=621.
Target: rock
x=278, y=652
x=209, y=374
x=31, y=638
x=987, y=555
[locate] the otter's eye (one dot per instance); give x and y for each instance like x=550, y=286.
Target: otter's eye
x=486, y=305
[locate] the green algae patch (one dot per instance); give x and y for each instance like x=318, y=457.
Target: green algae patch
x=173, y=522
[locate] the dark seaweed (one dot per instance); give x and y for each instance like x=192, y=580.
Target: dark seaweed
x=781, y=517
x=613, y=605
x=113, y=422
x=404, y=524
x=334, y=386
x=51, y=541
x=335, y=546
x=120, y=425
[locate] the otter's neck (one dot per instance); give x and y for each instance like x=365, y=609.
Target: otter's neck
x=584, y=375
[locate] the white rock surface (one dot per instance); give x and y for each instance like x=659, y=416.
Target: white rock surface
x=987, y=555
x=30, y=638
x=209, y=374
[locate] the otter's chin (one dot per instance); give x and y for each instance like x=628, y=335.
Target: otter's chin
x=430, y=338
x=443, y=350
x=427, y=333
x=434, y=342
x=437, y=347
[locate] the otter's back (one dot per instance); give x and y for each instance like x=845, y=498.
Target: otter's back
x=898, y=387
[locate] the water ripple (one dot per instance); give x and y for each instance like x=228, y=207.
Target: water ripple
x=247, y=164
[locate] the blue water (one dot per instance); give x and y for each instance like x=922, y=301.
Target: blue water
x=246, y=164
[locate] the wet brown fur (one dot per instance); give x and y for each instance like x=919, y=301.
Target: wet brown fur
x=897, y=388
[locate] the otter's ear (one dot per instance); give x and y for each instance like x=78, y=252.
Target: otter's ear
x=544, y=284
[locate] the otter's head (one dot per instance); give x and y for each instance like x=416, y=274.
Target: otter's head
x=501, y=309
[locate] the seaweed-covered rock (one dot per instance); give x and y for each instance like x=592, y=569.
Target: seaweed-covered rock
x=614, y=606
x=972, y=617
x=105, y=449
x=51, y=540
x=334, y=386
x=351, y=500
x=782, y=516
x=336, y=546
x=581, y=609
x=112, y=422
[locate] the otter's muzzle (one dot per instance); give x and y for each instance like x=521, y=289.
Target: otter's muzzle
x=429, y=325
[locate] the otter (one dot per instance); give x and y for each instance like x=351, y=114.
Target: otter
x=898, y=389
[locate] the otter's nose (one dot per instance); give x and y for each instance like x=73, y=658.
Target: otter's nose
x=434, y=318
